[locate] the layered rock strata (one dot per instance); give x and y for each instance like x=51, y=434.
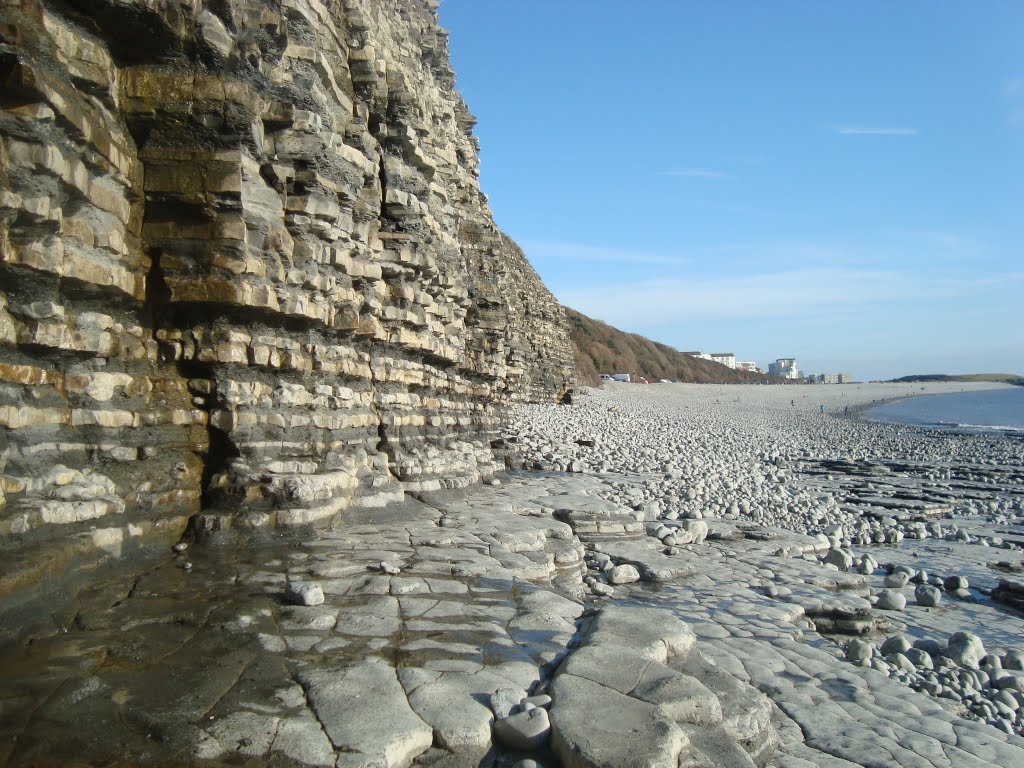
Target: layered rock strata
x=245, y=264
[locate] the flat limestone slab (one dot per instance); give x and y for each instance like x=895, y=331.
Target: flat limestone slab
x=646, y=554
x=454, y=705
x=680, y=697
x=363, y=708
x=651, y=632
x=596, y=727
x=578, y=502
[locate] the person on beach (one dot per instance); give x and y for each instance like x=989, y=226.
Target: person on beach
x=821, y=408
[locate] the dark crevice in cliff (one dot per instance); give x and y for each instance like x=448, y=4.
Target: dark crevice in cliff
x=158, y=295
x=158, y=312
x=133, y=34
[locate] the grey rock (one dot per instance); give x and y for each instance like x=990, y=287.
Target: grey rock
x=504, y=701
x=859, y=650
x=1014, y=660
x=697, y=529
x=538, y=700
x=895, y=644
x=652, y=632
x=1009, y=679
x=451, y=705
x=304, y=593
x=966, y=649
x=902, y=663
x=375, y=721
x=954, y=583
x=919, y=658
x=932, y=647
x=592, y=725
x=840, y=558
x=896, y=579
x=891, y=600
x=927, y=595
x=623, y=574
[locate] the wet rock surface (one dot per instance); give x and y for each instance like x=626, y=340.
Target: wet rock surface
x=231, y=658
x=448, y=620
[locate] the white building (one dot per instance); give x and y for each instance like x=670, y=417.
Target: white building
x=784, y=367
x=747, y=365
x=728, y=359
x=698, y=355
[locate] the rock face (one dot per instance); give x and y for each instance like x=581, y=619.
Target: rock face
x=245, y=264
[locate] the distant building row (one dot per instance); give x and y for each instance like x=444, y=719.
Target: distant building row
x=830, y=378
x=786, y=368
x=783, y=367
x=728, y=359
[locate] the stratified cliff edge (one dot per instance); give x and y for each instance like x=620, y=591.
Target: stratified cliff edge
x=246, y=269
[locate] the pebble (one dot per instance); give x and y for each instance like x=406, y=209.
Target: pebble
x=896, y=580
x=927, y=595
x=504, y=701
x=891, y=600
x=303, y=593
x=859, y=650
x=965, y=649
x=525, y=731
x=955, y=583
x=895, y=644
x=623, y=574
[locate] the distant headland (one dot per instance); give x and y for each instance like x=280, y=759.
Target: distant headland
x=1003, y=378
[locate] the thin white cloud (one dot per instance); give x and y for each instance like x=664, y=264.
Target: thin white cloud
x=743, y=210
x=794, y=293
x=697, y=173
x=943, y=238
x=931, y=245
x=849, y=130
x=559, y=250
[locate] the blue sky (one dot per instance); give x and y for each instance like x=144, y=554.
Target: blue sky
x=838, y=181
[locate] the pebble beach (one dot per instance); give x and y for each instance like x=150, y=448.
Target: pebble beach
x=915, y=534
x=665, y=575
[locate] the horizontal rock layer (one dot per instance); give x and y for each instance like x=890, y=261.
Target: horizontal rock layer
x=245, y=264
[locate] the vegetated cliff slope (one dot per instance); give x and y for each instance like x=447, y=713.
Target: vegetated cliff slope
x=600, y=348
x=245, y=265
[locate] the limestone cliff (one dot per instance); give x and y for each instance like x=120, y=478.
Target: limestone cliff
x=246, y=267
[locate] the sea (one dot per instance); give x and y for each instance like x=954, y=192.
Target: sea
x=987, y=410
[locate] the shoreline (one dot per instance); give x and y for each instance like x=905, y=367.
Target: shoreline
x=956, y=428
